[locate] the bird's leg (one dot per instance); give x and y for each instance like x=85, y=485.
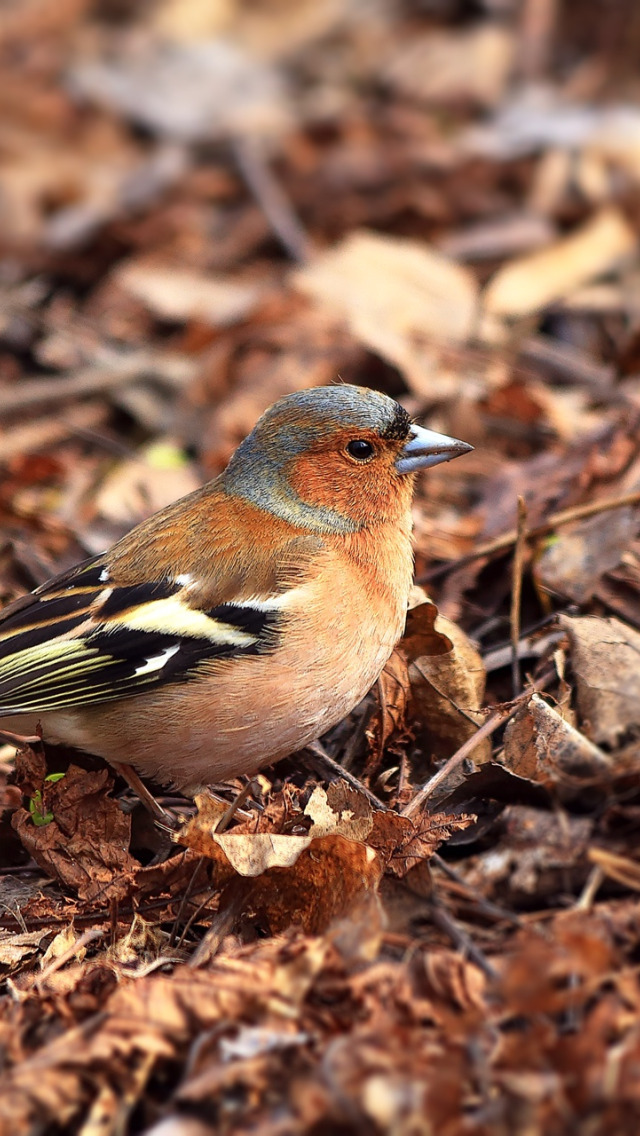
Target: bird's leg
x=145, y=797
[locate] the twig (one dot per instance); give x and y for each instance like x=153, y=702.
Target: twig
x=494, y=720
x=484, y=906
x=271, y=198
x=460, y=938
x=537, y=26
x=508, y=539
x=228, y=815
x=586, y=898
x=85, y=939
x=183, y=903
x=222, y=923
x=44, y=432
x=516, y=594
x=339, y=770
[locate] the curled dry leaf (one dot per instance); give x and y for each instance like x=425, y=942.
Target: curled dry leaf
x=394, y=691
x=15, y=948
x=605, y=656
x=313, y=879
x=405, y=843
x=85, y=844
x=340, y=809
x=528, y=284
x=400, y=298
x=446, y=681
x=540, y=745
x=401, y=842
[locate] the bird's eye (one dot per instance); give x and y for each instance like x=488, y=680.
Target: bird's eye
x=360, y=449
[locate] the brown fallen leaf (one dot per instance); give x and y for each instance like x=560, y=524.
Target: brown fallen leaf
x=15, y=948
x=536, y=857
x=529, y=283
x=404, y=843
x=394, y=693
x=340, y=809
x=605, y=656
x=447, y=680
x=574, y=562
x=85, y=844
x=540, y=745
x=328, y=880
x=180, y=294
x=401, y=842
x=400, y=298
x=446, y=66
x=295, y=880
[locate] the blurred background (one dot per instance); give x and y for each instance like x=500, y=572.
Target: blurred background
x=205, y=204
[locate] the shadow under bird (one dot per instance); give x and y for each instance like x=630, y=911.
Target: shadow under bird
x=243, y=621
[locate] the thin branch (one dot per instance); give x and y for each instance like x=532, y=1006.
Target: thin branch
x=508, y=539
x=516, y=594
x=338, y=770
x=271, y=198
x=495, y=719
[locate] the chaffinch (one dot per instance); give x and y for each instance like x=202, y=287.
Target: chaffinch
x=238, y=624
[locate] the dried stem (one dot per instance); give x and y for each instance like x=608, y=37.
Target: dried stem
x=495, y=719
x=508, y=539
x=516, y=593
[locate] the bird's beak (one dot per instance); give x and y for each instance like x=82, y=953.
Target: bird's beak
x=426, y=448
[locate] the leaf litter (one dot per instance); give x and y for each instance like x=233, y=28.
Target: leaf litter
x=428, y=924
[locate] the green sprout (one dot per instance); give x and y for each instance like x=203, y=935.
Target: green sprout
x=39, y=816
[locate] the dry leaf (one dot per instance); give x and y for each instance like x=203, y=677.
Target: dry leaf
x=540, y=745
x=185, y=20
x=400, y=298
x=187, y=91
x=181, y=294
x=305, y=880
x=458, y=65
x=530, y=283
x=605, y=656
x=85, y=844
x=405, y=842
x=574, y=561
x=339, y=809
x=447, y=680
x=252, y=854
x=328, y=879
x=536, y=856
x=394, y=692
x=142, y=485
x=15, y=948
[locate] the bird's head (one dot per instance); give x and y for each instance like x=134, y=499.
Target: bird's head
x=335, y=459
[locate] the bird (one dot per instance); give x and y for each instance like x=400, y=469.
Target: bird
x=240, y=623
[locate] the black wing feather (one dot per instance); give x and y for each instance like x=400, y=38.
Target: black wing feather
x=44, y=666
